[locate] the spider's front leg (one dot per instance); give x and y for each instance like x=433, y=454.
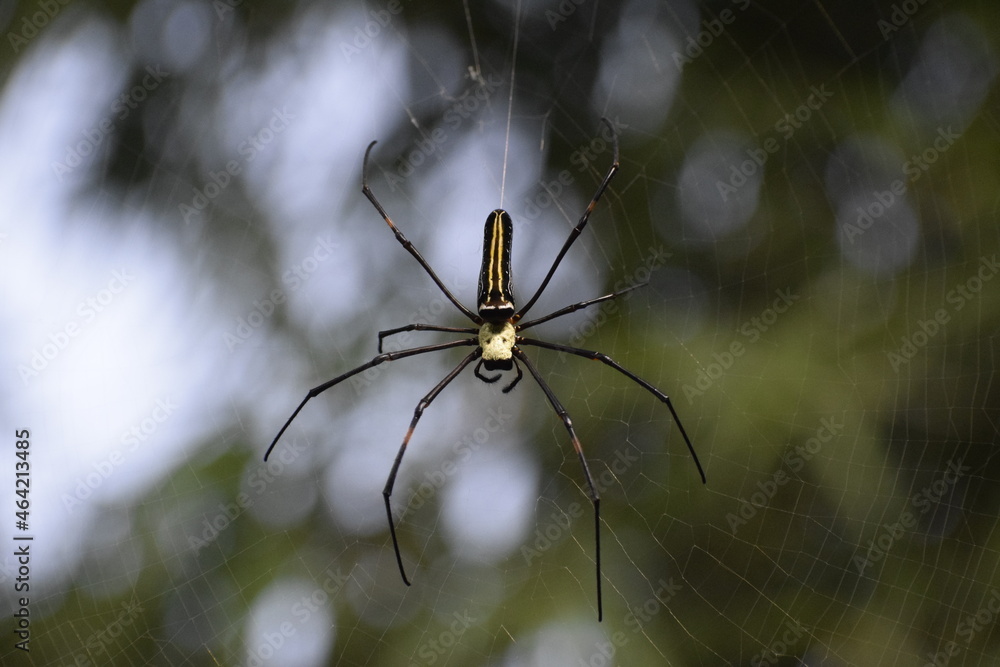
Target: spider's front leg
x=380, y=359
x=417, y=326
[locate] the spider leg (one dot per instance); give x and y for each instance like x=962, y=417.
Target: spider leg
x=483, y=377
x=579, y=225
x=600, y=356
x=491, y=380
x=578, y=306
x=388, y=356
x=407, y=245
x=389, y=483
x=506, y=390
x=591, y=489
x=421, y=327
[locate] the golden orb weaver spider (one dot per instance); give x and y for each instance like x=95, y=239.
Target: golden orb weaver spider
x=497, y=340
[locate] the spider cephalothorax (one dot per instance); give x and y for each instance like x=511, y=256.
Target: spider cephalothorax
x=496, y=339
x=497, y=343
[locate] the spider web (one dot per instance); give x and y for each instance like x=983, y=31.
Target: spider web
x=808, y=190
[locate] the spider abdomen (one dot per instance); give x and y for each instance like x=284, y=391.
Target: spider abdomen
x=496, y=294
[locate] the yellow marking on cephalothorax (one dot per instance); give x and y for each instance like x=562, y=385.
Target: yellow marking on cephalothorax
x=497, y=340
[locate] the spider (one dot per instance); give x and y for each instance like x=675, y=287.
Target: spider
x=497, y=341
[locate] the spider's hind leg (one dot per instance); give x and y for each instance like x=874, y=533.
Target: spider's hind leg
x=592, y=492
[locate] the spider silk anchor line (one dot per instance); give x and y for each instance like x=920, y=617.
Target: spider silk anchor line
x=497, y=342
